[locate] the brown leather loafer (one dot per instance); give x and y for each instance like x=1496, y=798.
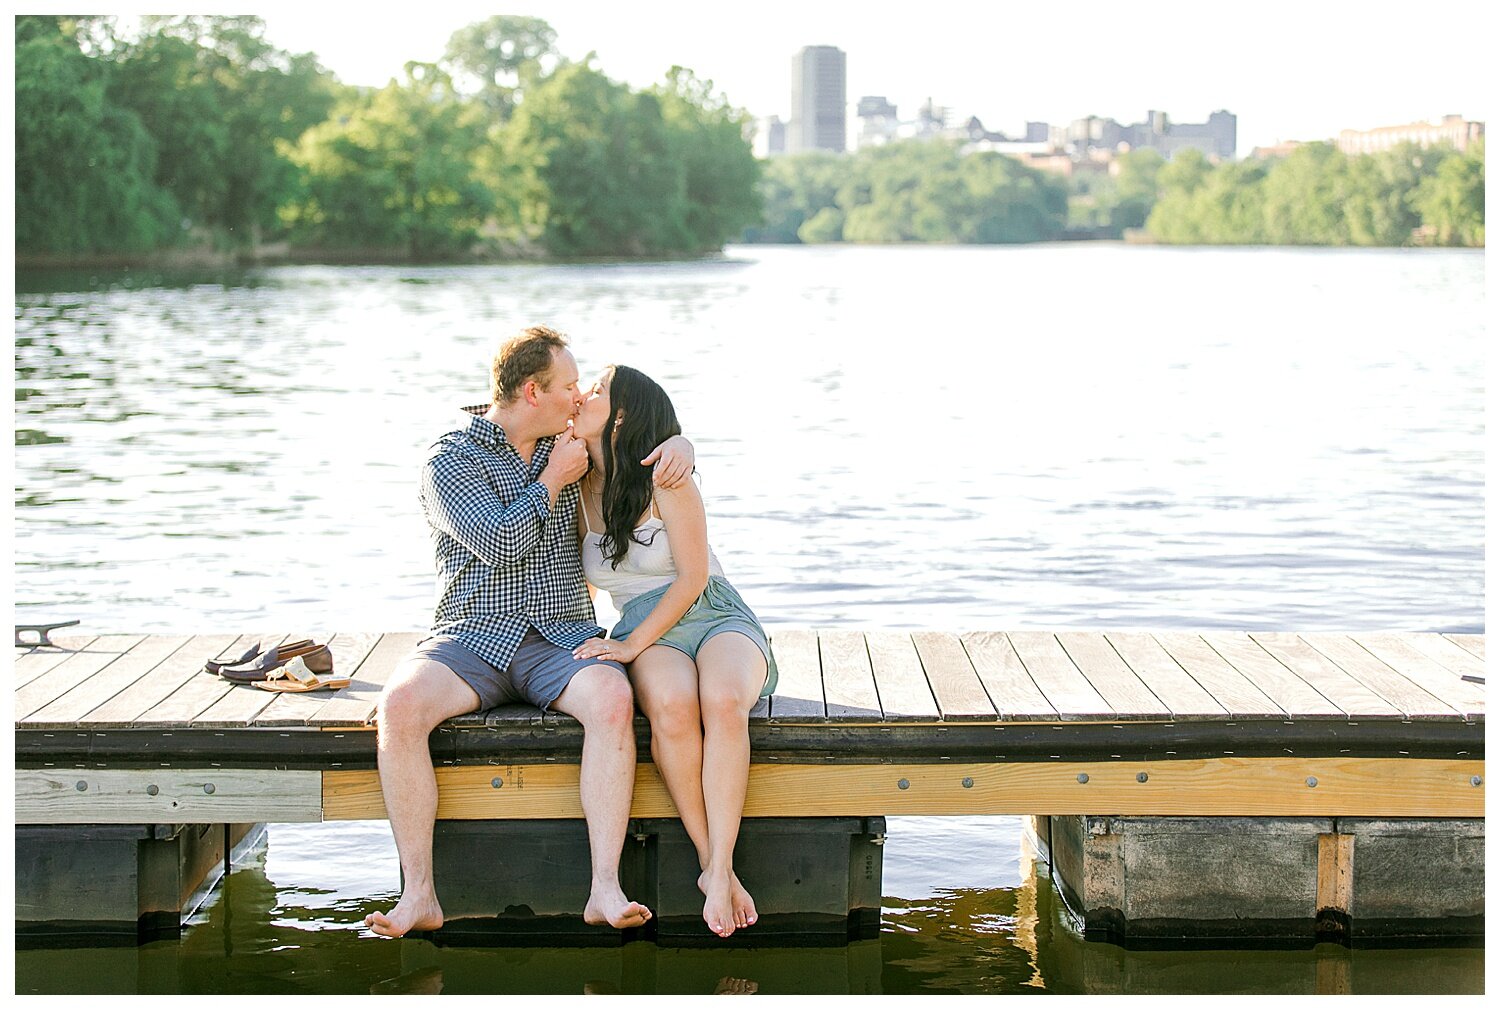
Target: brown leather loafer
x=316, y=656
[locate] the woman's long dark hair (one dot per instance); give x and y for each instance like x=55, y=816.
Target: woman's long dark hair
x=649, y=420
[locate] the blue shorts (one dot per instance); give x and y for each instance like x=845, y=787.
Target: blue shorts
x=718, y=610
x=537, y=673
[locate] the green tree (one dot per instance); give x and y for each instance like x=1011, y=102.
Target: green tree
x=1451, y=199
x=1135, y=188
x=597, y=160
x=224, y=103
x=793, y=190
x=395, y=170
x=1304, y=197
x=84, y=166
x=1173, y=217
x=720, y=173
x=827, y=225
x=502, y=54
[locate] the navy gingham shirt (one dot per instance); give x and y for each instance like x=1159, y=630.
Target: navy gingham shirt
x=507, y=557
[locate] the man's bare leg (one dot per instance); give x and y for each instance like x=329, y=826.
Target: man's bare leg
x=420, y=694
x=600, y=698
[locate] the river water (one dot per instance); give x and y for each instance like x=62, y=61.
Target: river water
x=1068, y=436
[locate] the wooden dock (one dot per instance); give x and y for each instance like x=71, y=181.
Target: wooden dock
x=128, y=729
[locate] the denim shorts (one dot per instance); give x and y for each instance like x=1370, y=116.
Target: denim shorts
x=537, y=673
x=717, y=610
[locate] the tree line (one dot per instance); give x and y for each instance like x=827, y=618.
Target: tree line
x=928, y=191
x=198, y=131
x=1316, y=195
x=909, y=191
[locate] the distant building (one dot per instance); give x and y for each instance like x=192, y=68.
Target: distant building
x=1086, y=137
x=877, y=121
x=819, y=121
x=1453, y=130
x=1280, y=150
x=1037, y=133
x=770, y=137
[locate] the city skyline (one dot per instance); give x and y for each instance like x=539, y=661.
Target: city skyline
x=1294, y=72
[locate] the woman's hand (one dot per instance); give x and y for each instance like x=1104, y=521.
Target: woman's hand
x=606, y=648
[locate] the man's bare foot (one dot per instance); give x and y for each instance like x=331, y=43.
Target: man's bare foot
x=742, y=904
x=731, y=986
x=610, y=906
x=419, y=912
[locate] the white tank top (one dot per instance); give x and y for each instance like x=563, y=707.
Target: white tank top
x=646, y=566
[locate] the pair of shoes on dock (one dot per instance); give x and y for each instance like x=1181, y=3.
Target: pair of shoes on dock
x=303, y=665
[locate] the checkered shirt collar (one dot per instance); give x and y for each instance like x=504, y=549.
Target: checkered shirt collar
x=484, y=432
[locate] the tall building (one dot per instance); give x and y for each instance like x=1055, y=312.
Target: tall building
x=819, y=112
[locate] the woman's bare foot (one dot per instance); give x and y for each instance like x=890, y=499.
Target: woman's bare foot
x=413, y=911
x=742, y=905
x=610, y=906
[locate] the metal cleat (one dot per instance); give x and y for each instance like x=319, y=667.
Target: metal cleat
x=41, y=631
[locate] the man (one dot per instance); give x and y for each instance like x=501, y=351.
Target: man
x=501, y=497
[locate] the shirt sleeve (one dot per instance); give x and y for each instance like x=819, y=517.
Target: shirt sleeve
x=458, y=501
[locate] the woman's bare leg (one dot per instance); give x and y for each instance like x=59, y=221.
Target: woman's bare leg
x=666, y=687
x=731, y=672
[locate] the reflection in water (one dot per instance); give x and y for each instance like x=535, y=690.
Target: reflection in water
x=262, y=937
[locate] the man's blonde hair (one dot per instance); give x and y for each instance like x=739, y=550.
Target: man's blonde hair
x=526, y=356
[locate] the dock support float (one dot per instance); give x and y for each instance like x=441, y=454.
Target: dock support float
x=1268, y=881
x=129, y=882
x=816, y=880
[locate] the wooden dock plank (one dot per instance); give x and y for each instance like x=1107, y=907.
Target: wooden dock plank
x=1433, y=677
x=1447, y=653
x=1227, y=685
x=799, y=677
x=848, y=681
x=1355, y=699
x=1059, y=679
x=1471, y=643
x=108, y=682
x=1010, y=688
x=180, y=796
x=349, y=651
x=1115, y=681
x=951, y=675
x=1296, y=697
x=71, y=672
x=904, y=693
x=355, y=704
x=1225, y=786
x=201, y=689
x=167, y=676
x=1353, y=659
x=1182, y=695
x=32, y=663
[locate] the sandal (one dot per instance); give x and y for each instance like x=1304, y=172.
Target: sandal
x=296, y=677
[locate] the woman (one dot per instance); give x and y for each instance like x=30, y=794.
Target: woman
x=696, y=655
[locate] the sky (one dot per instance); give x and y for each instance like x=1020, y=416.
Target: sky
x=1289, y=70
